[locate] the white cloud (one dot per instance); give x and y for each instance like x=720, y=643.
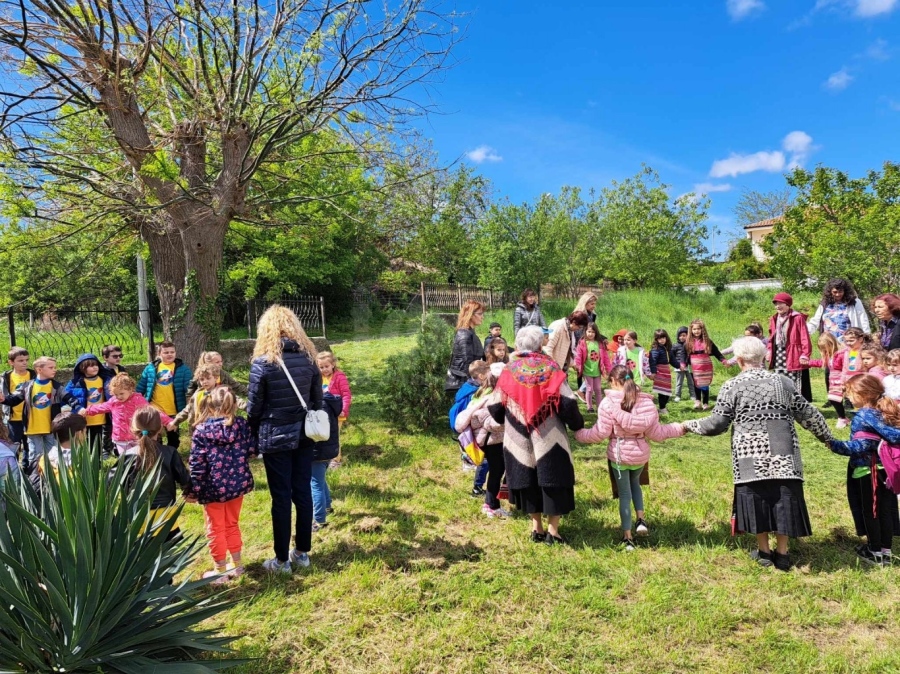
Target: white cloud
x=796, y=146
x=709, y=188
x=838, y=81
x=483, y=153
x=866, y=8
x=878, y=51
x=736, y=164
x=741, y=9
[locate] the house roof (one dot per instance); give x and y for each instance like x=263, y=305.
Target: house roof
x=765, y=223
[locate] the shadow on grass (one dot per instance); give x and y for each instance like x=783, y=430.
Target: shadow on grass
x=665, y=532
x=401, y=554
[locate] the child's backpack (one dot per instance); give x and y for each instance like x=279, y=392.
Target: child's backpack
x=888, y=456
x=461, y=402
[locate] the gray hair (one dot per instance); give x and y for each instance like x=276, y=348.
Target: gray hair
x=530, y=338
x=750, y=350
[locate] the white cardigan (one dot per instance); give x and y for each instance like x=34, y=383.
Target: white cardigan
x=858, y=318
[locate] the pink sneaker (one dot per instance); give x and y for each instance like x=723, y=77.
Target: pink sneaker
x=842, y=423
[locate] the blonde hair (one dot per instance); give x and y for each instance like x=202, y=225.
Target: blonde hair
x=146, y=425
x=478, y=368
x=875, y=350
x=220, y=402
x=869, y=391
x=828, y=345
x=583, y=300
x=206, y=371
x=893, y=357
x=43, y=361
x=464, y=322
x=278, y=323
x=121, y=382
x=327, y=355
x=205, y=358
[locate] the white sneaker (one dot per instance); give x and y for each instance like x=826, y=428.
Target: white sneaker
x=842, y=423
x=696, y=404
x=642, y=529
x=274, y=566
x=299, y=558
x=491, y=512
x=676, y=399
x=664, y=412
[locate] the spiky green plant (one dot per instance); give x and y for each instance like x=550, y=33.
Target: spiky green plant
x=87, y=586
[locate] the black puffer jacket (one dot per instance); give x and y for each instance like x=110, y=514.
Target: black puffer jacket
x=330, y=448
x=272, y=406
x=466, y=350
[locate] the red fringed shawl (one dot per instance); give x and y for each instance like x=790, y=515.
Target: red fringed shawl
x=533, y=382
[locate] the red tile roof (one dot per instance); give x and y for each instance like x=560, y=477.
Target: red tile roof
x=764, y=223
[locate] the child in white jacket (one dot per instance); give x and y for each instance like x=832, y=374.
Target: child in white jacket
x=628, y=418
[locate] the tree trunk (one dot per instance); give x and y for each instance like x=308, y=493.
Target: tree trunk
x=187, y=260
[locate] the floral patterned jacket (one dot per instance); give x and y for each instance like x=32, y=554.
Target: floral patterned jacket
x=220, y=460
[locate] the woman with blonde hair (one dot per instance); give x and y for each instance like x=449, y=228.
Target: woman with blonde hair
x=283, y=365
x=467, y=346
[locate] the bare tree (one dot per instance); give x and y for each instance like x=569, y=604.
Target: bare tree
x=754, y=206
x=175, y=119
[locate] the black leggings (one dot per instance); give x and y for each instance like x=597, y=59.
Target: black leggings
x=701, y=394
x=879, y=525
x=839, y=408
x=663, y=401
x=496, y=468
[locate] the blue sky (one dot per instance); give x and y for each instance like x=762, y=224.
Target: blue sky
x=716, y=95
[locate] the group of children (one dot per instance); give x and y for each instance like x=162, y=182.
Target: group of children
x=117, y=416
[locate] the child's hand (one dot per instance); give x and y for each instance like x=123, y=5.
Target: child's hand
x=171, y=426
x=83, y=412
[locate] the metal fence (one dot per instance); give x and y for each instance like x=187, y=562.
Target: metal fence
x=309, y=309
x=451, y=296
x=65, y=333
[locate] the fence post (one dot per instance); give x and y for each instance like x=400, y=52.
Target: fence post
x=249, y=321
x=422, y=290
x=459, y=295
x=12, y=326
x=151, y=344
x=322, y=309
x=491, y=298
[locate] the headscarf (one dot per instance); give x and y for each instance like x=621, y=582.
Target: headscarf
x=532, y=382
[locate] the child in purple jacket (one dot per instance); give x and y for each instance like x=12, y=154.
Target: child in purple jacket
x=221, y=448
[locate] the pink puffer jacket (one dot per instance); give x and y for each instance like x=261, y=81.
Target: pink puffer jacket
x=628, y=432
x=486, y=430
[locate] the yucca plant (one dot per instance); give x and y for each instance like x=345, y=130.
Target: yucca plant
x=86, y=582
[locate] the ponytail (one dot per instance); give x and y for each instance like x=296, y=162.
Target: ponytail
x=630, y=390
x=146, y=426
x=889, y=409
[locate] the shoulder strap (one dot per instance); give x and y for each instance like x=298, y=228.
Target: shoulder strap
x=293, y=385
x=866, y=435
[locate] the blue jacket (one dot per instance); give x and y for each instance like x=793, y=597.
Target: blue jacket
x=860, y=451
x=660, y=355
x=272, y=406
x=329, y=449
x=461, y=401
x=77, y=387
x=181, y=380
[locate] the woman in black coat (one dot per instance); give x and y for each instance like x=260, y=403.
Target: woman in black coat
x=278, y=416
x=467, y=348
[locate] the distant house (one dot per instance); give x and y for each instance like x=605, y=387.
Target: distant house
x=758, y=231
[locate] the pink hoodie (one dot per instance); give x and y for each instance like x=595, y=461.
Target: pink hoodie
x=122, y=413
x=628, y=431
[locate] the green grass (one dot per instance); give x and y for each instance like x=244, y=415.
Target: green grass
x=410, y=577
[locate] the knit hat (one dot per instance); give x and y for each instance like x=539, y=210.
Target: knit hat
x=681, y=331
x=783, y=297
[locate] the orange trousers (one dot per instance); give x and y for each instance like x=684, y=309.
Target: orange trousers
x=223, y=529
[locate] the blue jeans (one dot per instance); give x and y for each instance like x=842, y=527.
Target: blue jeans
x=38, y=446
x=481, y=473
x=288, y=475
x=321, y=494
x=629, y=484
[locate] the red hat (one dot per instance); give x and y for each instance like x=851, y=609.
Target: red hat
x=783, y=297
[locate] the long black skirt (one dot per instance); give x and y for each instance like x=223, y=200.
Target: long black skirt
x=776, y=506
x=551, y=501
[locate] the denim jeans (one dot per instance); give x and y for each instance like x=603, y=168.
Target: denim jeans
x=481, y=473
x=321, y=494
x=289, y=475
x=38, y=445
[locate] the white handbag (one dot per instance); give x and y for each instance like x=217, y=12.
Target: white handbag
x=317, y=427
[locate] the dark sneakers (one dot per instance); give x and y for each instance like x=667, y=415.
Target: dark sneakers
x=762, y=558
x=869, y=556
x=781, y=562
x=538, y=537
x=555, y=540
x=476, y=492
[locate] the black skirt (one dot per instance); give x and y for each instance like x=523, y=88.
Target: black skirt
x=772, y=506
x=550, y=501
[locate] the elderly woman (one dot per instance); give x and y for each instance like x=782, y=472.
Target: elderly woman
x=765, y=450
x=536, y=404
x=561, y=347
x=887, y=310
x=789, y=344
x=467, y=347
x=284, y=359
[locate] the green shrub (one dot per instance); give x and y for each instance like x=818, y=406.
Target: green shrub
x=87, y=587
x=411, y=390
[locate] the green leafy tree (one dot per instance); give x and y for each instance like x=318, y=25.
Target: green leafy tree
x=840, y=226
x=169, y=119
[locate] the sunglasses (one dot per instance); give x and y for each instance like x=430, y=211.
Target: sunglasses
x=115, y=355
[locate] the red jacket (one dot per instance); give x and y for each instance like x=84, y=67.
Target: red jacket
x=798, y=343
x=339, y=386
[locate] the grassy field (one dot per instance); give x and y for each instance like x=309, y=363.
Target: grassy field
x=410, y=577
